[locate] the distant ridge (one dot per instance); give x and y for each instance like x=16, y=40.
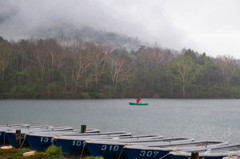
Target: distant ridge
x=89, y=34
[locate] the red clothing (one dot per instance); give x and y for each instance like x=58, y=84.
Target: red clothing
x=137, y=100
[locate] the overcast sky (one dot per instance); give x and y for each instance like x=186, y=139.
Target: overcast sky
x=211, y=26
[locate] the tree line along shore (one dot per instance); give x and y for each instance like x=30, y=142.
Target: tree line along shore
x=71, y=68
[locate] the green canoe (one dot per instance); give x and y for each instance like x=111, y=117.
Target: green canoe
x=130, y=103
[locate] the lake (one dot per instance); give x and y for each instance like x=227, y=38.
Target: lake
x=204, y=119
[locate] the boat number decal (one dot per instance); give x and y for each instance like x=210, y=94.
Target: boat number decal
x=109, y=148
x=44, y=139
x=149, y=153
x=77, y=143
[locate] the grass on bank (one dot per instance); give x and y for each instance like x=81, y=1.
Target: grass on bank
x=52, y=152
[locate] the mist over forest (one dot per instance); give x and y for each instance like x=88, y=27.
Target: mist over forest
x=113, y=49
x=169, y=24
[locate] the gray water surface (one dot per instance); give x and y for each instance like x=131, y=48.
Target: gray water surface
x=200, y=119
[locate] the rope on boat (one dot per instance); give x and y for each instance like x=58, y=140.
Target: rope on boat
x=4, y=138
x=175, y=149
x=23, y=140
x=234, y=156
x=53, y=138
x=120, y=153
x=83, y=148
x=164, y=156
x=122, y=150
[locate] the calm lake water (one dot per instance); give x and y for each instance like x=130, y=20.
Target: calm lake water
x=200, y=119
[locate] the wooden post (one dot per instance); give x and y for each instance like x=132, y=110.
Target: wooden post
x=194, y=155
x=18, y=139
x=83, y=128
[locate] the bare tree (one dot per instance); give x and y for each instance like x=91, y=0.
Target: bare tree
x=119, y=69
x=53, y=50
x=41, y=57
x=98, y=53
x=228, y=66
x=153, y=58
x=82, y=64
x=5, y=57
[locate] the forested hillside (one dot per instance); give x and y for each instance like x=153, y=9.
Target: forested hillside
x=73, y=68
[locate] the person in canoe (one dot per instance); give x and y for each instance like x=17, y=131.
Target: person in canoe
x=138, y=99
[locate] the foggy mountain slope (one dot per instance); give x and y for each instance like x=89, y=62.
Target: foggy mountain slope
x=211, y=27
x=44, y=19
x=86, y=33
x=89, y=34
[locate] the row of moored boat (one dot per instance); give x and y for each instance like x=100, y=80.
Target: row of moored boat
x=116, y=145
